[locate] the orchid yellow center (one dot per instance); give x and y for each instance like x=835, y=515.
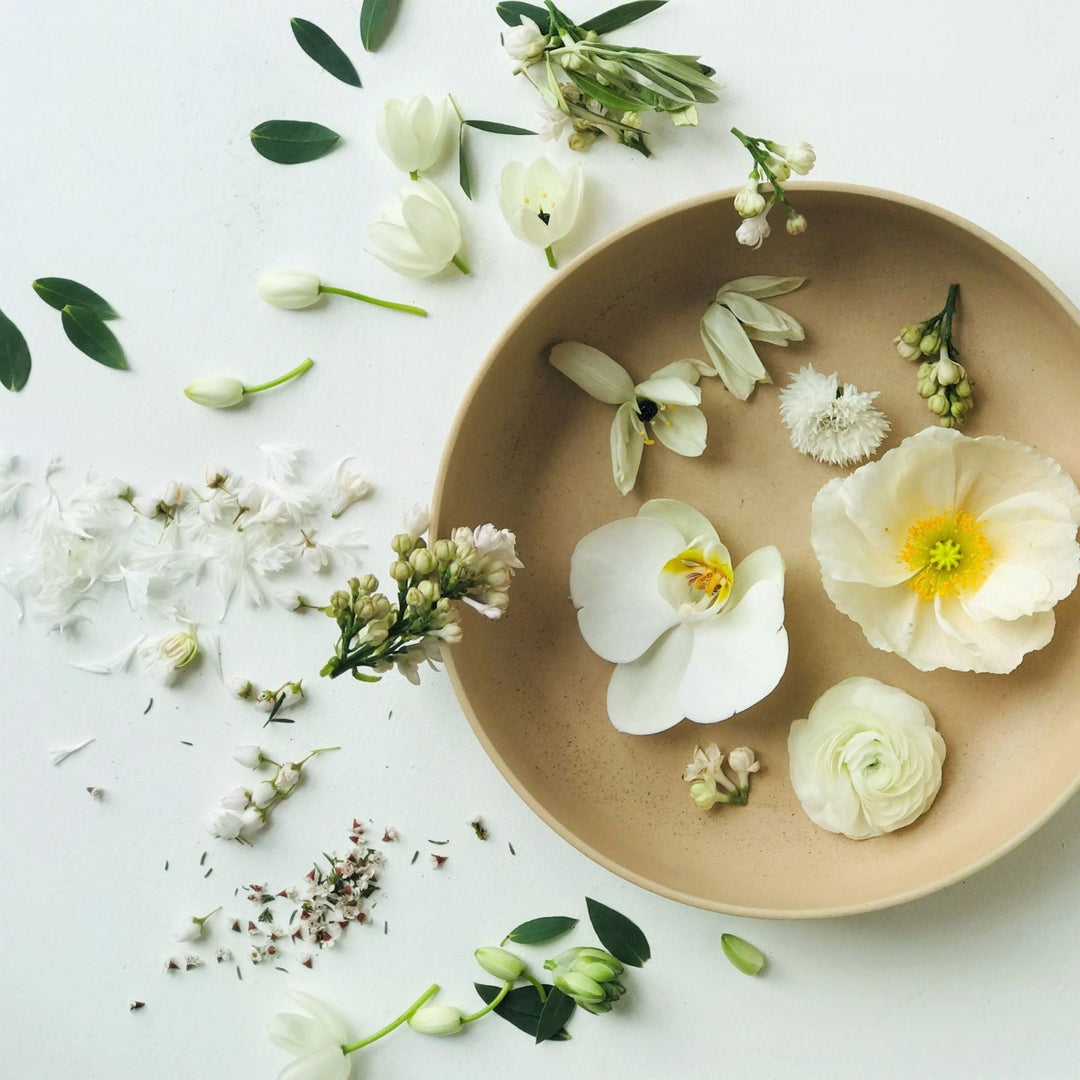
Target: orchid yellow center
x=708, y=577
x=949, y=554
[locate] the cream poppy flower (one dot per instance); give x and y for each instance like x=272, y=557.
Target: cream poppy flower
x=418, y=234
x=415, y=135
x=541, y=204
x=665, y=405
x=690, y=636
x=951, y=551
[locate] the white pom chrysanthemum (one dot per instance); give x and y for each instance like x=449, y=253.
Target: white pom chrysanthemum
x=832, y=423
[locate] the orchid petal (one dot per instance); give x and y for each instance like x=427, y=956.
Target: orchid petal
x=688, y=370
x=642, y=695
x=765, y=564
x=594, y=371
x=684, y=519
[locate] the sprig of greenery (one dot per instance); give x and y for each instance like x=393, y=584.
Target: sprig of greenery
x=83, y=314
x=14, y=355
x=493, y=127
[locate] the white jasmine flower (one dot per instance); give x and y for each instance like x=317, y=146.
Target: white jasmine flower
x=795, y=225
x=193, y=929
x=264, y=794
x=690, y=636
x=951, y=551
x=418, y=234
x=706, y=764
x=240, y=687
x=867, y=760
x=541, y=204
x=665, y=405
x=524, y=42
x=225, y=823
x=750, y=202
x=754, y=231
x=165, y=657
x=739, y=315
x=834, y=424
x=288, y=289
x=348, y=485
x=426, y=651
x=287, y=778
x=250, y=756
x=415, y=135
x=237, y=799
x=315, y=1040
x=251, y=821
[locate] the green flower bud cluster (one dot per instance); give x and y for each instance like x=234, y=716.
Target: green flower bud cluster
x=589, y=976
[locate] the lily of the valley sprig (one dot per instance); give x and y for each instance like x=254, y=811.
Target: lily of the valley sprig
x=942, y=382
x=540, y=204
x=225, y=391
x=296, y=289
x=473, y=566
x=738, y=317
x=664, y=407
x=601, y=88
x=773, y=164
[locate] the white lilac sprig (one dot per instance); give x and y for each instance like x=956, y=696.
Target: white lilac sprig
x=598, y=87
x=664, y=407
x=738, y=317
x=832, y=423
x=474, y=567
x=773, y=163
x=293, y=290
x=225, y=391
x=541, y=204
x=709, y=784
x=942, y=382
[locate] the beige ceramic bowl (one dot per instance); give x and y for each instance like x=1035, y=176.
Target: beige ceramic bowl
x=529, y=451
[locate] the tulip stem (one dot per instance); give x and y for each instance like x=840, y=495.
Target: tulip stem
x=348, y=1048
x=410, y=308
x=460, y=263
x=298, y=370
x=493, y=1003
x=551, y=258
x=540, y=988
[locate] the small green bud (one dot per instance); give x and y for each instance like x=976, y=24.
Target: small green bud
x=746, y=957
x=380, y=605
x=403, y=543
x=704, y=793
x=581, y=988
x=947, y=421
x=429, y=590
x=400, y=570
x=958, y=408
x=930, y=344
x=927, y=387
x=938, y=404
x=963, y=388
x=423, y=561
x=445, y=551
x=415, y=598
x=925, y=369
x=367, y=584
x=911, y=334
x=499, y=962
x=437, y=1020
x=340, y=600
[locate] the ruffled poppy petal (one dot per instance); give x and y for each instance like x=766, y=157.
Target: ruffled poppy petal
x=642, y=698
x=996, y=646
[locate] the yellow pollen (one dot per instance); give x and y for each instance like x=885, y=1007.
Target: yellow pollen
x=949, y=554
x=704, y=574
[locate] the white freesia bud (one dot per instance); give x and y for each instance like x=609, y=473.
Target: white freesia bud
x=418, y=234
x=437, y=1020
x=288, y=289
x=251, y=757
x=524, y=43
x=750, y=202
x=215, y=391
x=165, y=657
x=754, y=230
x=414, y=135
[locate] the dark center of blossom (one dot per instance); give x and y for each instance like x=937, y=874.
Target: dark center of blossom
x=544, y=216
x=646, y=409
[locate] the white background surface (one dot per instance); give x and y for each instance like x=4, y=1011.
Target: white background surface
x=126, y=164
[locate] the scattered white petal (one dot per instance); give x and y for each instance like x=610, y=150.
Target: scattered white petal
x=120, y=662
x=56, y=756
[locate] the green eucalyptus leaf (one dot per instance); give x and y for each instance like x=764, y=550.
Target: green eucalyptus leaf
x=621, y=16
x=522, y=1007
x=376, y=18
x=14, y=355
x=746, y=957
x=536, y=931
x=58, y=292
x=463, y=165
x=558, y=1008
x=324, y=50
x=618, y=934
x=497, y=129
x=290, y=142
x=510, y=11
x=89, y=334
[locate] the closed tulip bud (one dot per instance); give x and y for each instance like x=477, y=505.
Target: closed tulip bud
x=215, y=391
x=437, y=1020
x=288, y=289
x=499, y=962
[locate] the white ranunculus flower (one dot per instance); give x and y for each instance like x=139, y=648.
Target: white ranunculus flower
x=665, y=405
x=418, y=234
x=951, y=551
x=541, y=204
x=690, y=636
x=315, y=1040
x=867, y=760
x=415, y=135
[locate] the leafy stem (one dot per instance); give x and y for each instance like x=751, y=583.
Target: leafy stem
x=296, y=372
x=757, y=151
x=348, y=1048
x=410, y=308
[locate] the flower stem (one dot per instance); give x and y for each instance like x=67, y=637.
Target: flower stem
x=493, y=1003
x=460, y=263
x=761, y=162
x=540, y=989
x=296, y=371
x=410, y=308
x=551, y=258
x=348, y=1048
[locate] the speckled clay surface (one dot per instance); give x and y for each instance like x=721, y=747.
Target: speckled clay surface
x=530, y=452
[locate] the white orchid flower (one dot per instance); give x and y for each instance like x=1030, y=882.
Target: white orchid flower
x=541, y=204
x=415, y=135
x=665, y=405
x=690, y=636
x=315, y=1040
x=418, y=234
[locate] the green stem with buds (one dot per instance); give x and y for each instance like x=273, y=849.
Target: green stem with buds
x=493, y=1003
x=761, y=158
x=348, y=1048
x=296, y=372
x=410, y=308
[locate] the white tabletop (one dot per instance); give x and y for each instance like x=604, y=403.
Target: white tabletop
x=126, y=165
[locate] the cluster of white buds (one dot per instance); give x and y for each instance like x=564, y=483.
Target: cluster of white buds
x=709, y=784
x=773, y=164
x=243, y=811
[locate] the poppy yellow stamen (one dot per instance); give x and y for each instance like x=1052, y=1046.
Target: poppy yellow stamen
x=949, y=554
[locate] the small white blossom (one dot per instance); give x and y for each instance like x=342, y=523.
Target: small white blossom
x=553, y=122
x=742, y=762
x=250, y=756
x=315, y=1041
x=349, y=485
x=165, y=657
x=524, y=42
x=240, y=687
x=416, y=520
x=754, y=231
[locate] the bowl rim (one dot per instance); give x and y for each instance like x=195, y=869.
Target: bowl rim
x=673, y=210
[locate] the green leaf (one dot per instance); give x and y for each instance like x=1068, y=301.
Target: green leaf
x=536, y=931
x=497, y=129
x=376, y=19
x=618, y=934
x=558, y=1008
x=621, y=16
x=510, y=11
x=522, y=1007
x=746, y=957
x=90, y=335
x=324, y=50
x=58, y=292
x=605, y=94
x=14, y=355
x=290, y=142
x=463, y=165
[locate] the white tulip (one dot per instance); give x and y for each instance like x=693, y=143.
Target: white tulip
x=418, y=234
x=415, y=135
x=541, y=204
x=288, y=289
